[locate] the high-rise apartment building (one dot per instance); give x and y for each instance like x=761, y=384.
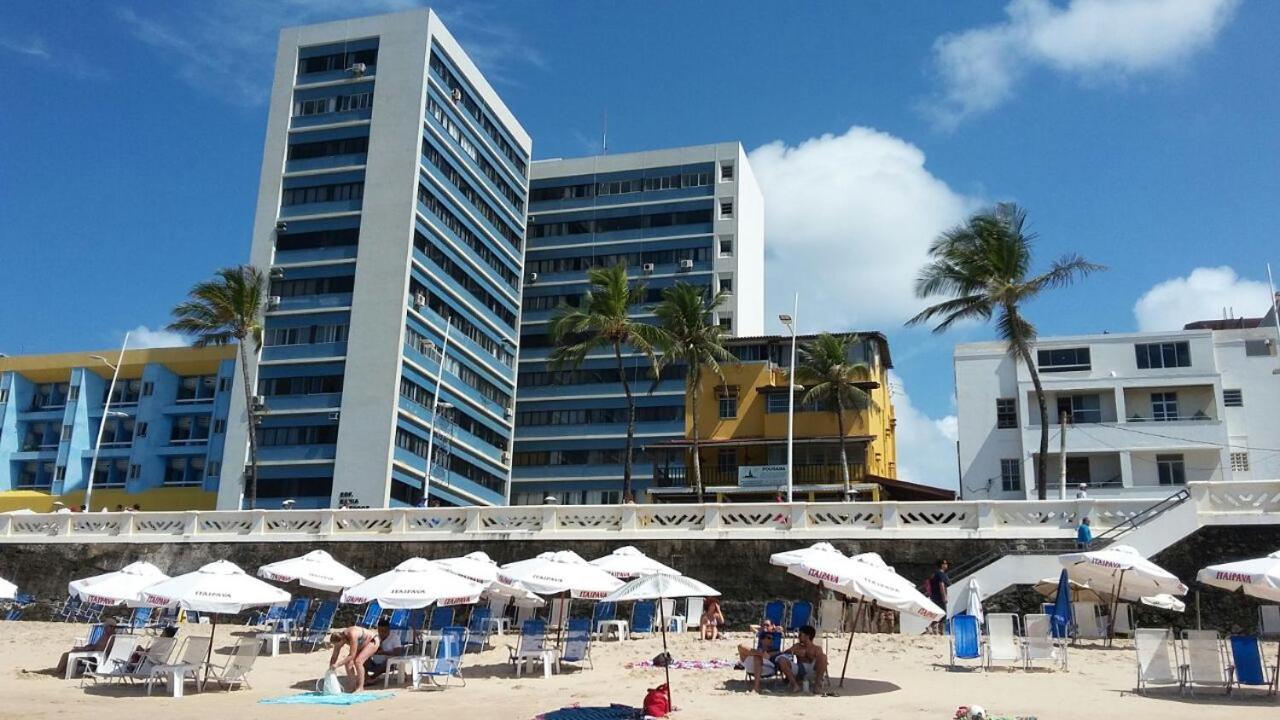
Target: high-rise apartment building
x=690, y=214
x=391, y=213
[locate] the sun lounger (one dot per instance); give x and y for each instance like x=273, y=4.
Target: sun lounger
x=112, y=664
x=190, y=664
x=831, y=617
x=1124, y=619
x=966, y=639
x=1203, y=661
x=1157, y=657
x=775, y=611
x=668, y=613
x=441, y=618
x=1269, y=621
x=237, y=667
x=69, y=610
x=446, y=664
x=83, y=661
x=1247, y=666
x=532, y=647
x=321, y=622
x=693, y=611
x=756, y=666
x=478, y=627
x=1039, y=642
x=135, y=665
x=604, y=618
x=1002, y=639
x=801, y=615
x=1088, y=620
x=642, y=617
x=372, y=614
x=577, y=643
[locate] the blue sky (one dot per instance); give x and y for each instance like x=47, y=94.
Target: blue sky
x=1140, y=133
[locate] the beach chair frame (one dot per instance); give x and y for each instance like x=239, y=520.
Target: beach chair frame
x=644, y=617
x=748, y=673
x=1157, y=658
x=1003, y=631
x=1204, y=661
x=478, y=629
x=966, y=633
x=1039, y=642
x=775, y=611
x=577, y=643
x=114, y=664
x=1248, y=666
x=1269, y=621
x=446, y=665
x=235, y=671
x=801, y=615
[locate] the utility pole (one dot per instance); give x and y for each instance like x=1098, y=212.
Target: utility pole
x=1062, y=455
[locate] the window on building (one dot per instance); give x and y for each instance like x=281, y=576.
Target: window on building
x=219, y=427
x=4, y=395
x=1011, y=475
x=726, y=209
x=1258, y=348
x=184, y=471
x=726, y=284
x=189, y=429
x=66, y=432
x=1239, y=462
x=126, y=392
x=1164, y=406
x=61, y=472
x=140, y=430
x=728, y=397
x=1171, y=470
x=73, y=394
x=111, y=473
x=726, y=246
x=338, y=61
x=1078, y=471
x=135, y=471
x=727, y=459
x=1063, y=360
x=1080, y=408
x=1233, y=398
x=1006, y=413
x=726, y=171
x=1163, y=355
x=196, y=388
x=50, y=396
x=726, y=322
x=148, y=388
x=214, y=469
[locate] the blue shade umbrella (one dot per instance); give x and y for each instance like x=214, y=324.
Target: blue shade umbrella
x=1061, y=618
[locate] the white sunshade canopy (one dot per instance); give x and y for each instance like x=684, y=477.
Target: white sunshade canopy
x=1164, y=601
x=1080, y=592
x=627, y=562
x=414, y=583
x=661, y=586
x=120, y=587
x=791, y=557
x=1103, y=569
x=317, y=569
x=219, y=587
x=519, y=594
x=476, y=566
x=1259, y=577
x=866, y=581
x=8, y=590
x=552, y=573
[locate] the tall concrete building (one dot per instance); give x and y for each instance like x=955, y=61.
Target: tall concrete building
x=1146, y=412
x=391, y=211
x=691, y=214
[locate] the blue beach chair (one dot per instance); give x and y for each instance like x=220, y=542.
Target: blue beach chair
x=321, y=622
x=642, y=616
x=478, y=629
x=441, y=618
x=775, y=611
x=966, y=639
x=446, y=664
x=801, y=615
x=577, y=643
x=1247, y=666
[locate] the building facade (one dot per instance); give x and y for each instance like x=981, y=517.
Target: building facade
x=690, y=214
x=391, y=213
x=742, y=433
x=162, y=441
x=1146, y=412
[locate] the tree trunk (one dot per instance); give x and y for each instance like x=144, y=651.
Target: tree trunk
x=251, y=477
x=844, y=455
x=1042, y=485
x=694, y=382
x=631, y=423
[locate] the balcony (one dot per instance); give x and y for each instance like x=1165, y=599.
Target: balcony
x=1134, y=435
x=713, y=476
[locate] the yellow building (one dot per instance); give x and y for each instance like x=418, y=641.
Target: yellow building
x=161, y=442
x=742, y=433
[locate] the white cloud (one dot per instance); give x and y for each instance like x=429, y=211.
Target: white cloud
x=1203, y=295
x=1089, y=39
x=228, y=47
x=848, y=222
x=926, y=446
x=144, y=337
x=31, y=46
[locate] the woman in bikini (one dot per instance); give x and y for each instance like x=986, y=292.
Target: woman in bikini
x=361, y=644
x=711, y=620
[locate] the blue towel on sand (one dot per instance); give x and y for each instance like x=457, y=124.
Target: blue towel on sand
x=314, y=698
x=612, y=712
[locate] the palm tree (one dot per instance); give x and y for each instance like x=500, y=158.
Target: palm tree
x=225, y=309
x=983, y=266
x=833, y=381
x=684, y=315
x=601, y=320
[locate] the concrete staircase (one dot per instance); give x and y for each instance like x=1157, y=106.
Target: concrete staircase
x=1149, y=532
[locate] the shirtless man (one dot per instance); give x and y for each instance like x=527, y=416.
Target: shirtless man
x=803, y=660
x=361, y=644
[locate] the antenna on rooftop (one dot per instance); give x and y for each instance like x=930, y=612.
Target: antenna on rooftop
x=604, y=136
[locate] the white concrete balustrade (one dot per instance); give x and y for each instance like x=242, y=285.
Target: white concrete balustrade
x=1216, y=503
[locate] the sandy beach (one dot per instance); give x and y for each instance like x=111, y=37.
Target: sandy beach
x=890, y=677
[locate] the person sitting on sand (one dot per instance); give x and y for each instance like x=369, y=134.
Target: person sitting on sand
x=361, y=644
x=108, y=630
x=711, y=620
x=804, y=660
x=759, y=661
x=389, y=645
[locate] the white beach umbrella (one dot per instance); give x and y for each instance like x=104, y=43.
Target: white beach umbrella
x=1164, y=602
x=661, y=586
x=1080, y=592
x=8, y=590
x=414, y=583
x=219, y=587
x=1122, y=573
x=970, y=599
x=116, y=588
x=317, y=569
x=628, y=562
x=519, y=594
x=553, y=573
x=475, y=566
x=1259, y=577
x=791, y=557
x=872, y=558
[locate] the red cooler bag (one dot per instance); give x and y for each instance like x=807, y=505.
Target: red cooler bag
x=657, y=702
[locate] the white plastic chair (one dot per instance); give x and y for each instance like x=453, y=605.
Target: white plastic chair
x=1039, y=642
x=498, y=614
x=668, y=612
x=1088, y=621
x=1002, y=639
x=1269, y=621
x=1157, y=657
x=1204, y=662
x=693, y=611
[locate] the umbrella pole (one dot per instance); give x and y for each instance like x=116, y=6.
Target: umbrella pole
x=848, y=650
x=662, y=618
x=208, y=658
x=1115, y=604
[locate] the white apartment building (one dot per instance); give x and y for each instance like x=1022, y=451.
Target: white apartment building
x=1146, y=412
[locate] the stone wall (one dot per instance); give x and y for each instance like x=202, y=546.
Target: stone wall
x=738, y=568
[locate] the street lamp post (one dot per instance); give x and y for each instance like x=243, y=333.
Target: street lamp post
x=790, y=322
x=436, y=405
x=106, y=414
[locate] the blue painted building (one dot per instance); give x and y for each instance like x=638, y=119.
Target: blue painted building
x=162, y=443
x=686, y=214
x=391, y=211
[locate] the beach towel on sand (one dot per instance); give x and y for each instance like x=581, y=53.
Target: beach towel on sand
x=577, y=712
x=315, y=698
x=686, y=664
